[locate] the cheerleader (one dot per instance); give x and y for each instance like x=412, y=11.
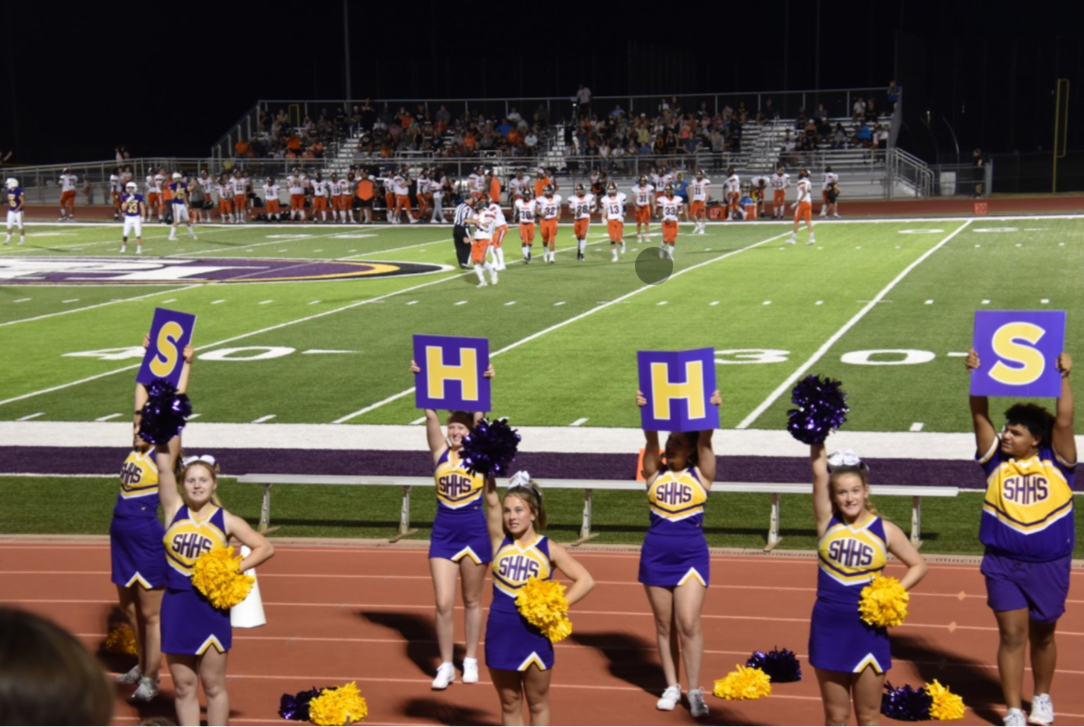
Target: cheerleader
x=1028, y=532
x=196, y=636
x=519, y=657
x=850, y=656
x=135, y=546
x=459, y=544
x=674, y=561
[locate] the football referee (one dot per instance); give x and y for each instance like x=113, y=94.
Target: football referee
x=463, y=212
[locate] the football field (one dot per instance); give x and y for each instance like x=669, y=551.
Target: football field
x=313, y=323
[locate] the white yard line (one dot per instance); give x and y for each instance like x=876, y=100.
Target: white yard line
x=562, y=324
x=98, y=305
x=819, y=353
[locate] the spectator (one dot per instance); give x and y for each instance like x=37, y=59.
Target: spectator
x=858, y=111
x=824, y=129
x=618, y=112
x=47, y=677
x=770, y=112
x=871, y=111
x=799, y=120
x=980, y=174
x=368, y=114
x=727, y=115
x=542, y=115
x=718, y=142
x=531, y=140
x=839, y=137
x=863, y=134
x=822, y=113
x=893, y=96
x=583, y=102
x=735, y=138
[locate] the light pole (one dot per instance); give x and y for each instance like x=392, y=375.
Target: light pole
x=346, y=49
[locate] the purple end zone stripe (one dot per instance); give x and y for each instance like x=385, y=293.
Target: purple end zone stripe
x=106, y=461
x=222, y=270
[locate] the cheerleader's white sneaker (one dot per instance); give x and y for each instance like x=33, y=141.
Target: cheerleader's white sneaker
x=1042, y=710
x=445, y=676
x=147, y=690
x=698, y=708
x=1015, y=718
x=131, y=677
x=470, y=671
x=669, y=698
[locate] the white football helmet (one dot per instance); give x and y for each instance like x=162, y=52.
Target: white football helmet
x=176, y=176
x=11, y=182
x=131, y=186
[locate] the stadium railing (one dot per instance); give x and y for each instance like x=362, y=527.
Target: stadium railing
x=775, y=489
x=864, y=173
x=951, y=180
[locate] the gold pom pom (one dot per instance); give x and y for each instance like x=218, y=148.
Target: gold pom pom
x=545, y=607
x=217, y=576
x=946, y=705
x=338, y=706
x=745, y=683
x=884, y=602
x=121, y=641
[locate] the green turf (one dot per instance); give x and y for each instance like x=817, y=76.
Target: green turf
x=571, y=331
x=738, y=520
x=767, y=295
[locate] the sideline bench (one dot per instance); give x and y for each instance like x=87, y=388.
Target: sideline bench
x=775, y=489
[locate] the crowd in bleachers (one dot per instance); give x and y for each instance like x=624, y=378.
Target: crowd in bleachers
x=386, y=131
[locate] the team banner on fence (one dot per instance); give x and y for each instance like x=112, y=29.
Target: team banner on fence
x=170, y=332
x=451, y=373
x=1018, y=351
x=678, y=386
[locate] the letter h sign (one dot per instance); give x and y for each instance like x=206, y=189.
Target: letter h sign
x=678, y=386
x=451, y=373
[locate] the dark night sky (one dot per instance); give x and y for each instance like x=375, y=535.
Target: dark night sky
x=78, y=84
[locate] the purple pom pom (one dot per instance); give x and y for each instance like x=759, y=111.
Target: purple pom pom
x=780, y=665
x=906, y=704
x=165, y=413
x=296, y=706
x=490, y=448
x=822, y=407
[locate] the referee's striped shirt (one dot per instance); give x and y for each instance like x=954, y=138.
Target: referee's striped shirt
x=462, y=213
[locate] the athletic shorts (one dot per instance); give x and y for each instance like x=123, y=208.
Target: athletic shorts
x=1041, y=588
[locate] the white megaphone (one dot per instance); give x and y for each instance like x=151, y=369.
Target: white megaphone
x=248, y=614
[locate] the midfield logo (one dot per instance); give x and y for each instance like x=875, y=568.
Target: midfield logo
x=45, y=271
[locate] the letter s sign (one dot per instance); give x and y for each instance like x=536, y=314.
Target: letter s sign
x=1017, y=351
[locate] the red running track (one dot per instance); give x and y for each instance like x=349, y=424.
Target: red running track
x=339, y=613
